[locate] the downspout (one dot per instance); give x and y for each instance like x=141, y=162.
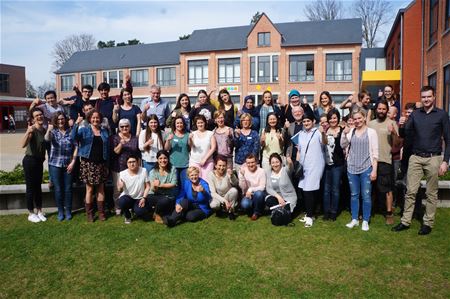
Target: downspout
x=421, y=49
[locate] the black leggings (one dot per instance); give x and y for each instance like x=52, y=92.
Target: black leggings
x=33, y=169
x=310, y=201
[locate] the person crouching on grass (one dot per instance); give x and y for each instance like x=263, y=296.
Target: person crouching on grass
x=134, y=184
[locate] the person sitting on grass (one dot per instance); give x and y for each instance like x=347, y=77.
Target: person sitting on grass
x=134, y=184
x=223, y=183
x=252, y=180
x=192, y=202
x=163, y=181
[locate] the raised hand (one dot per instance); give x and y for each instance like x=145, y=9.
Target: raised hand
x=402, y=120
x=79, y=119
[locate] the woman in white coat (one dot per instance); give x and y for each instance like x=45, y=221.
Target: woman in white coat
x=311, y=143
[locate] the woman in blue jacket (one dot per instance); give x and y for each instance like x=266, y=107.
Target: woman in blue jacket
x=192, y=203
x=93, y=150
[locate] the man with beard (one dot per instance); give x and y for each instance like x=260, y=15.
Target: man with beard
x=428, y=126
x=387, y=132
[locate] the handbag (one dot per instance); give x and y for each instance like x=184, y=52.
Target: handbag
x=281, y=216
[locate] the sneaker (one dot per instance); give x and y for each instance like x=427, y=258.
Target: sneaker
x=303, y=219
x=308, y=222
x=365, y=226
x=34, y=218
x=41, y=216
x=127, y=221
x=352, y=223
x=60, y=216
x=118, y=211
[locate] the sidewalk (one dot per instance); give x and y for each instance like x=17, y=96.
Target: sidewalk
x=11, y=152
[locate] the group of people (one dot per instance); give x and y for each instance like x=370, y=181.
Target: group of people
x=186, y=163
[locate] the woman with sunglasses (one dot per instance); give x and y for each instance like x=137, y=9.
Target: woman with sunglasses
x=123, y=144
x=62, y=160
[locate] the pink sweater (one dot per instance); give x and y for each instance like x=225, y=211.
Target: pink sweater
x=252, y=181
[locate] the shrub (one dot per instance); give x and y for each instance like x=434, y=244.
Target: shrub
x=16, y=176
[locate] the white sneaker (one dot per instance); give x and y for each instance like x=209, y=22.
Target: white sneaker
x=127, y=221
x=365, y=226
x=302, y=219
x=308, y=222
x=33, y=218
x=352, y=223
x=42, y=216
x=118, y=212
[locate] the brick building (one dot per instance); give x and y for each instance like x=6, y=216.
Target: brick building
x=309, y=56
x=12, y=95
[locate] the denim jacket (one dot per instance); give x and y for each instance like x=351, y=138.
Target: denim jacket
x=85, y=137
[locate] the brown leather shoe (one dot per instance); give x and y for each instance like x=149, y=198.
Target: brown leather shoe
x=254, y=217
x=89, y=209
x=158, y=219
x=101, y=210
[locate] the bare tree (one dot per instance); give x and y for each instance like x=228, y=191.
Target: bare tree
x=62, y=50
x=324, y=10
x=45, y=87
x=374, y=14
x=30, y=92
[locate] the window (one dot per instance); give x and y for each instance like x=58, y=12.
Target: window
x=89, y=79
x=67, y=82
x=198, y=72
x=432, y=80
x=339, y=67
x=301, y=68
x=434, y=20
x=337, y=100
x=264, y=68
x=113, y=78
x=447, y=14
x=264, y=39
x=4, y=82
x=230, y=70
x=139, y=78
x=446, y=97
x=166, y=76
x=375, y=64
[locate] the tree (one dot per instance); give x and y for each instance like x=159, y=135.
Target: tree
x=255, y=18
x=30, y=92
x=108, y=44
x=374, y=14
x=186, y=36
x=63, y=50
x=324, y=10
x=44, y=87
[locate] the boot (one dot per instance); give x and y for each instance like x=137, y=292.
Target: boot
x=89, y=210
x=101, y=210
x=157, y=218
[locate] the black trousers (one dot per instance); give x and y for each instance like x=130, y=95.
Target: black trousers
x=310, y=202
x=162, y=204
x=190, y=212
x=33, y=169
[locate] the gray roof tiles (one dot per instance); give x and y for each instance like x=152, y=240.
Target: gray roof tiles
x=347, y=31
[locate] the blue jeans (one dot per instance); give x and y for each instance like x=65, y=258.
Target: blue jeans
x=331, y=189
x=257, y=202
x=149, y=166
x=62, y=182
x=361, y=184
x=126, y=203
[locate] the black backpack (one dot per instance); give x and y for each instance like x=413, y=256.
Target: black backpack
x=281, y=216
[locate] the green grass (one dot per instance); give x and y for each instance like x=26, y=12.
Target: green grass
x=221, y=259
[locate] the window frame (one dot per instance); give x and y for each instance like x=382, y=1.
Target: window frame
x=447, y=15
x=300, y=58
x=254, y=65
x=63, y=86
x=163, y=82
x=227, y=62
x=433, y=22
x=137, y=83
x=5, y=83
x=198, y=63
x=344, y=75
x=432, y=80
x=120, y=80
x=93, y=75
x=446, y=89
x=263, y=39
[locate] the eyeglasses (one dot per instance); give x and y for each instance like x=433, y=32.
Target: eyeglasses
x=122, y=127
x=87, y=91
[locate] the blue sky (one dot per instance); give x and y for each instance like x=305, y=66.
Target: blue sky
x=29, y=29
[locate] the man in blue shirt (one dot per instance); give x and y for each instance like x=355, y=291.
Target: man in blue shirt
x=156, y=105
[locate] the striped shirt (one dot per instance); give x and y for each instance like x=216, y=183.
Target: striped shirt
x=359, y=155
x=62, y=147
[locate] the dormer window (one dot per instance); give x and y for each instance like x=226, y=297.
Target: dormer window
x=264, y=39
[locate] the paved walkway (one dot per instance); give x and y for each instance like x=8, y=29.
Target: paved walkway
x=11, y=151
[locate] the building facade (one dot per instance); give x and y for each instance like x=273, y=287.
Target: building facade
x=308, y=56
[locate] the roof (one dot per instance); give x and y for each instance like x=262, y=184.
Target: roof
x=394, y=25
x=345, y=31
x=165, y=53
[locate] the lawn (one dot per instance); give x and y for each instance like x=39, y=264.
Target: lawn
x=221, y=259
